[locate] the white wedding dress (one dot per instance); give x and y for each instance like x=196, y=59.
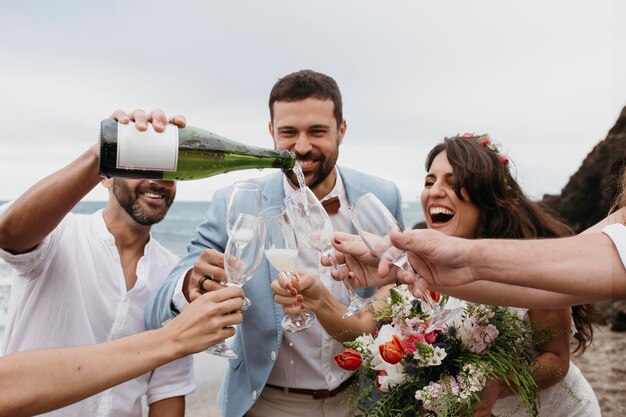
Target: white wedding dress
x=572, y=397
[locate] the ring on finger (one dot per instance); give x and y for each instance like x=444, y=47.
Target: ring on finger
x=201, y=282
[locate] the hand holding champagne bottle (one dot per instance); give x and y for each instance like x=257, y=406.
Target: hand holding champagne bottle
x=152, y=152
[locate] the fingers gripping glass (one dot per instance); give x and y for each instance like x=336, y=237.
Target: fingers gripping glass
x=313, y=224
x=281, y=250
x=374, y=223
x=242, y=257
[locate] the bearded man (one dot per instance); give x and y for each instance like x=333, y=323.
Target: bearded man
x=281, y=374
x=84, y=279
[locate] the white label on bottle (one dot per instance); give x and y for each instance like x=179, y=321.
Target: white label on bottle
x=147, y=150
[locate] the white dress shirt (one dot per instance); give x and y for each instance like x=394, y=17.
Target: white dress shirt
x=306, y=359
x=71, y=291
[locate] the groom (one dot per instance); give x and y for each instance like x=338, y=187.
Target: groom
x=281, y=374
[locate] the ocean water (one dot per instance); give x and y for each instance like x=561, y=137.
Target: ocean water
x=174, y=232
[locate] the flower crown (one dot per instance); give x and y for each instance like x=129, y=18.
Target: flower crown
x=485, y=142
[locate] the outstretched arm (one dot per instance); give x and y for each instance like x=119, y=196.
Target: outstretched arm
x=583, y=268
x=38, y=381
x=54, y=196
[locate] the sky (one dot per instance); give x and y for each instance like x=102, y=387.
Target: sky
x=543, y=78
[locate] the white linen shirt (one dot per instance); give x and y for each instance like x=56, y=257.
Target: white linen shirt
x=71, y=291
x=306, y=359
x=617, y=233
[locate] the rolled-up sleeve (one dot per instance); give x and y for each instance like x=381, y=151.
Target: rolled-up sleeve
x=171, y=380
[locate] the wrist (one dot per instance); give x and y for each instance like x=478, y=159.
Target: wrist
x=169, y=347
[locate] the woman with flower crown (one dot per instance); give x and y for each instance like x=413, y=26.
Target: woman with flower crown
x=469, y=192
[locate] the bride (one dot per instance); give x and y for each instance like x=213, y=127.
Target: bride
x=469, y=192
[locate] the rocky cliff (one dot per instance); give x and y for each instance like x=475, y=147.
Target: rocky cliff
x=590, y=192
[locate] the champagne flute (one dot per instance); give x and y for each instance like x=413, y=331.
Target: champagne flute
x=374, y=223
x=244, y=251
x=245, y=197
x=281, y=250
x=312, y=223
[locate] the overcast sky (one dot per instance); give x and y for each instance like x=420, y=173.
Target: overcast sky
x=544, y=78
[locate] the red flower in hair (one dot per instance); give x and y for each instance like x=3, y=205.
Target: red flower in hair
x=503, y=160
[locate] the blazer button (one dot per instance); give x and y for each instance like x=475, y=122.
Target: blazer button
x=273, y=356
x=253, y=395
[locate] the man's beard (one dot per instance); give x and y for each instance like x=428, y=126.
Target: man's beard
x=128, y=200
x=314, y=178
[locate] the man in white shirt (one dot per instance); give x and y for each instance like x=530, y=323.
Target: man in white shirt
x=279, y=373
x=84, y=279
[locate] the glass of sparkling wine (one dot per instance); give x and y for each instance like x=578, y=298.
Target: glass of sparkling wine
x=245, y=197
x=374, y=222
x=313, y=224
x=281, y=251
x=242, y=257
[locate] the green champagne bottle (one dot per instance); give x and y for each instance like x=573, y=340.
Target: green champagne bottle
x=178, y=153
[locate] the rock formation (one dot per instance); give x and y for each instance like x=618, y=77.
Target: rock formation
x=590, y=192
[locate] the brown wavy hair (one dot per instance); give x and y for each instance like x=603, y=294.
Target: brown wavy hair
x=305, y=84
x=506, y=212
x=620, y=199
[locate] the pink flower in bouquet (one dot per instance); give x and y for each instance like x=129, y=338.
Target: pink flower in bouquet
x=392, y=352
x=409, y=342
x=430, y=337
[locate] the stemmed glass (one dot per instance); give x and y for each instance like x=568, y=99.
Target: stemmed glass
x=281, y=250
x=245, y=197
x=312, y=223
x=374, y=223
x=244, y=251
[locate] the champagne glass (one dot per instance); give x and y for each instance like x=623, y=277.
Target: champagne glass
x=374, y=223
x=312, y=223
x=245, y=197
x=281, y=250
x=244, y=251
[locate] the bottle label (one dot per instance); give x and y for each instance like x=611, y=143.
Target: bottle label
x=148, y=150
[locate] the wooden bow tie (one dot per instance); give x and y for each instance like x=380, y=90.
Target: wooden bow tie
x=331, y=205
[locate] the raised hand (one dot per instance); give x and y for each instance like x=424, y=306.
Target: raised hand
x=157, y=118
x=297, y=292
x=438, y=259
x=360, y=266
x=208, y=320
x=210, y=264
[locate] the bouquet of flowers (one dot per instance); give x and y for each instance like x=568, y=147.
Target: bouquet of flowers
x=408, y=372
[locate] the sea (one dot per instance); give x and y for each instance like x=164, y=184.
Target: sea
x=174, y=232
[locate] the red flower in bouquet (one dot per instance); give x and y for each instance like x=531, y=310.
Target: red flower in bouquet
x=436, y=296
x=392, y=352
x=349, y=360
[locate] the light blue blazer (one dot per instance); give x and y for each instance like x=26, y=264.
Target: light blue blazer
x=259, y=337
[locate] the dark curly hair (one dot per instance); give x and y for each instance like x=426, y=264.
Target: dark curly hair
x=506, y=212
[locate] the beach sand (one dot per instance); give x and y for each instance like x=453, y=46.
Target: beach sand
x=603, y=364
